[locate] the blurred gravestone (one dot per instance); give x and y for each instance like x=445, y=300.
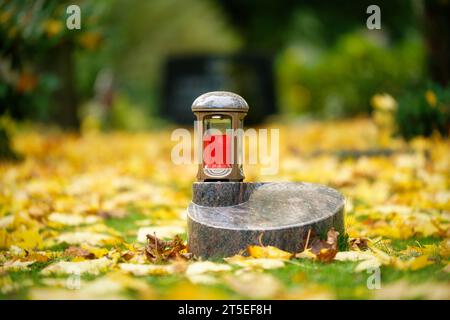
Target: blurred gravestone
x=187, y=77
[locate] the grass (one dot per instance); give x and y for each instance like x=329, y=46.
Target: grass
x=338, y=276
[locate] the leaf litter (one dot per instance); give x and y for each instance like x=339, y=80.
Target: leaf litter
x=69, y=208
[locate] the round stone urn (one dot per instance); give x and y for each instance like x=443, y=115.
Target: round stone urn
x=226, y=217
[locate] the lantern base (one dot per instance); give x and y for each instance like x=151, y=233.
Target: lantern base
x=226, y=217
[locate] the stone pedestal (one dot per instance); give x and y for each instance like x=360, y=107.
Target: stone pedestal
x=226, y=217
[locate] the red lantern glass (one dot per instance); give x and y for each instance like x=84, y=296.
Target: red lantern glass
x=217, y=140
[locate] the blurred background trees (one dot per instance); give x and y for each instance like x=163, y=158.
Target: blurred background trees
x=327, y=64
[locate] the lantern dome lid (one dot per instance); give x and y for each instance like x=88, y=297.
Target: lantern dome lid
x=220, y=101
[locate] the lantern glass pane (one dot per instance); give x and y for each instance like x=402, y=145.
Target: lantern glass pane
x=217, y=142
x=218, y=122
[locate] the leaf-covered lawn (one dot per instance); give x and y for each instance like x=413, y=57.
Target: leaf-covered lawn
x=75, y=213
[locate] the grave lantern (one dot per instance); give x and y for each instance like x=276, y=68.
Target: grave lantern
x=220, y=114
x=226, y=217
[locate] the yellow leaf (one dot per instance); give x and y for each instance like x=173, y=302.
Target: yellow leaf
x=15, y=265
x=353, y=256
x=404, y=290
x=97, y=252
x=420, y=262
x=89, y=266
x=268, y=252
x=85, y=237
x=306, y=254
x=255, y=263
x=254, y=285
x=206, y=267
x=27, y=239
x=146, y=269
x=68, y=219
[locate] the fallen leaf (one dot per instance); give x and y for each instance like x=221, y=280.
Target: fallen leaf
x=104, y=288
x=94, y=267
x=73, y=252
x=268, y=252
x=253, y=263
x=205, y=279
x=71, y=219
x=369, y=260
x=306, y=254
x=29, y=239
x=6, y=222
x=158, y=250
x=254, y=285
x=205, y=267
x=368, y=264
x=310, y=292
x=358, y=243
x=147, y=269
x=354, y=256
x=403, y=290
x=324, y=251
x=16, y=265
x=85, y=237
x=38, y=256
x=413, y=264
x=420, y=262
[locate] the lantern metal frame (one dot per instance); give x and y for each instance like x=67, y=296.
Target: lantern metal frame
x=228, y=104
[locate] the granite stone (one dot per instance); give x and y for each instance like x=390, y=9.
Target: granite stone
x=226, y=217
x=217, y=100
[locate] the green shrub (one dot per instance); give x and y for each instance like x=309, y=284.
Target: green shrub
x=423, y=112
x=340, y=80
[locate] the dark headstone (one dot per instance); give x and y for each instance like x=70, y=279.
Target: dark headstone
x=187, y=77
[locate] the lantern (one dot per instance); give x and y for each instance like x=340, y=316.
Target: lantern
x=220, y=114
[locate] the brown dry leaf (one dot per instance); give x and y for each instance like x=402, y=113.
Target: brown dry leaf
x=127, y=255
x=326, y=254
x=358, y=243
x=75, y=252
x=158, y=250
x=324, y=251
